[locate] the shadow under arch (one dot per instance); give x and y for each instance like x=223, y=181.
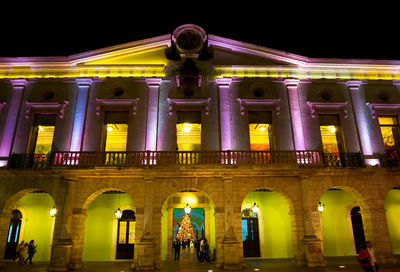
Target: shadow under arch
x=292, y=214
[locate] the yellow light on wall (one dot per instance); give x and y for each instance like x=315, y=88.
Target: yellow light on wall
x=255, y=208
x=53, y=211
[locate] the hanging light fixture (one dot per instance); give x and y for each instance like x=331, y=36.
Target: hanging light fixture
x=320, y=207
x=118, y=213
x=187, y=208
x=255, y=208
x=53, y=211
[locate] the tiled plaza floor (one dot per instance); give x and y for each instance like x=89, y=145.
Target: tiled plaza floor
x=189, y=263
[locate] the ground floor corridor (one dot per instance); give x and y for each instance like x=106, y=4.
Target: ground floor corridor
x=188, y=262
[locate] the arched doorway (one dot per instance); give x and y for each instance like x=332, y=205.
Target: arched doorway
x=174, y=217
x=14, y=231
x=392, y=207
x=107, y=237
x=31, y=220
x=342, y=223
x=266, y=232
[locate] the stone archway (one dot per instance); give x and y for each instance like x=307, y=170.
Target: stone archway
x=293, y=214
x=35, y=204
x=79, y=221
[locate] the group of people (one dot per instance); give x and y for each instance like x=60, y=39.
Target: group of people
x=366, y=257
x=25, y=252
x=201, y=245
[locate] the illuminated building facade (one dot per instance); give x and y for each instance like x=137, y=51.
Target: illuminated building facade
x=148, y=127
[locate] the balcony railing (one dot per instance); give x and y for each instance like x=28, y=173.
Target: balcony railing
x=305, y=158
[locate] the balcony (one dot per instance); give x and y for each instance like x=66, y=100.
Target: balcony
x=70, y=159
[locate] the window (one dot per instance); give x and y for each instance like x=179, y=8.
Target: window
x=390, y=135
x=260, y=130
x=188, y=131
x=331, y=135
x=115, y=131
x=42, y=135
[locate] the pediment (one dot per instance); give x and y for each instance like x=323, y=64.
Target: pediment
x=147, y=57
x=229, y=57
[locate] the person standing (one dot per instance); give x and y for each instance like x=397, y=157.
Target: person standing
x=196, y=245
x=18, y=250
x=31, y=251
x=206, y=251
x=23, y=253
x=372, y=254
x=365, y=259
x=177, y=248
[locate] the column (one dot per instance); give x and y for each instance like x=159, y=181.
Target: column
x=80, y=113
x=232, y=250
x=62, y=241
x=170, y=233
x=295, y=113
x=381, y=238
x=13, y=113
x=152, y=113
x=313, y=246
x=225, y=112
x=144, y=249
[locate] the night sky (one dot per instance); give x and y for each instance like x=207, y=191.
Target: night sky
x=328, y=29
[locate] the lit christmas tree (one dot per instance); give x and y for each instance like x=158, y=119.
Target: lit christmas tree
x=186, y=230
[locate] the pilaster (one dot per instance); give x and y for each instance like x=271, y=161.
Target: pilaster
x=313, y=246
x=232, y=250
x=145, y=248
x=295, y=113
x=225, y=112
x=152, y=113
x=13, y=113
x=80, y=113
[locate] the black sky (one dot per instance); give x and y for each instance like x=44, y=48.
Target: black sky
x=326, y=29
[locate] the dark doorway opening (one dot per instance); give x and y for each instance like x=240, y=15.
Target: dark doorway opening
x=126, y=235
x=358, y=228
x=251, y=238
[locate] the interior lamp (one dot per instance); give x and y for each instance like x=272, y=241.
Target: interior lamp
x=186, y=128
x=187, y=208
x=255, y=208
x=332, y=129
x=53, y=211
x=118, y=213
x=320, y=207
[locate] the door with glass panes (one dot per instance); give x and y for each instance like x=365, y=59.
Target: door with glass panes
x=126, y=235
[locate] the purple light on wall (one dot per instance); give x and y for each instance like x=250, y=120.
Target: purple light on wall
x=80, y=111
x=226, y=139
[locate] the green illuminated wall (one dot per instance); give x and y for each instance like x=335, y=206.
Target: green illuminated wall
x=392, y=207
x=277, y=242
x=337, y=233
x=98, y=245
x=38, y=222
